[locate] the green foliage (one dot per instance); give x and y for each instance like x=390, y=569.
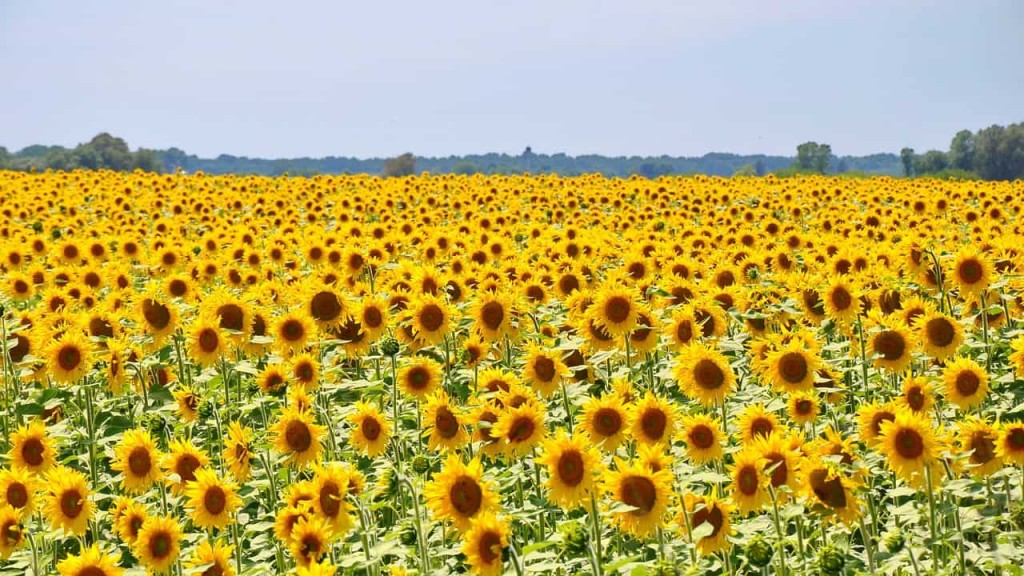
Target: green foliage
x=907, y=158
x=102, y=152
x=930, y=162
x=745, y=170
x=404, y=165
x=813, y=157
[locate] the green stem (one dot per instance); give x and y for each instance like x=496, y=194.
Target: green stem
x=778, y=531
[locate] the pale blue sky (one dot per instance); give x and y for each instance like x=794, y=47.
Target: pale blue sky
x=303, y=78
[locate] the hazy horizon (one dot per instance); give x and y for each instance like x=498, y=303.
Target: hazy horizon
x=310, y=79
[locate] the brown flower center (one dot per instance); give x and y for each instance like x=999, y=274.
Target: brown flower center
x=702, y=437
x=684, y=332
x=372, y=317
x=544, y=368
x=292, y=330
x=446, y=424
x=489, y=547
x=215, y=500
x=297, y=436
x=712, y=516
x=967, y=383
x=522, y=429
x=466, y=496
x=17, y=495
x=984, y=447
x=793, y=367
x=570, y=468
x=708, y=375
x=419, y=378
x=492, y=314
x=69, y=357
x=909, y=444
x=915, y=399
x=330, y=499
x=829, y=491
x=747, y=480
x=370, y=428
x=186, y=468
x=640, y=493
x=607, y=422
x=209, y=341
x=71, y=504
x=232, y=317
x=970, y=271
x=160, y=545
x=878, y=418
x=780, y=472
x=156, y=314
x=841, y=299
x=761, y=426
x=889, y=344
x=431, y=317
x=653, y=423
x=617, y=309
x=139, y=461
x=940, y=332
x=32, y=452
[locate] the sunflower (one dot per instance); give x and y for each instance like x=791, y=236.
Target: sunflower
x=646, y=493
x=205, y=343
x=614, y=311
x=372, y=314
x=188, y=403
x=90, y=561
x=325, y=568
x=370, y=430
x=272, y=379
x=296, y=436
x=211, y=558
x=544, y=370
x=12, y=533
x=965, y=383
x=292, y=332
x=182, y=460
x=644, y=338
x=238, y=450
x=870, y=418
x=520, y=428
x=430, y=319
x=972, y=271
x=755, y=421
x=210, y=500
x=940, y=335
x=159, y=316
x=781, y=459
x=571, y=463
x=829, y=493
x=31, y=448
x=654, y=420
x=159, y=543
x=493, y=316
x=18, y=286
x=792, y=368
x=749, y=489
x=130, y=522
x=420, y=378
x=803, y=408
x=916, y=394
x=67, y=504
x=231, y=314
x=484, y=544
x=892, y=348
x=682, y=328
x=703, y=437
x=909, y=444
x=474, y=351
x=304, y=369
x=18, y=489
x=1010, y=447
x=704, y=375
x=444, y=420
x=605, y=421
x=137, y=458
x=330, y=490
x=841, y=300
x=459, y=493
x=707, y=516
x=1017, y=356
x=68, y=358
x=979, y=439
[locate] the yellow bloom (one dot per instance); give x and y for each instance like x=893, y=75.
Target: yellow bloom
x=459, y=492
x=211, y=501
x=159, y=543
x=67, y=504
x=571, y=464
x=370, y=430
x=137, y=458
x=483, y=544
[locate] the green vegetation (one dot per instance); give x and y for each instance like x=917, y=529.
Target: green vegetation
x=993, y=153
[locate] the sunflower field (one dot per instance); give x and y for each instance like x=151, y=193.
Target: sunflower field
x=235, y=375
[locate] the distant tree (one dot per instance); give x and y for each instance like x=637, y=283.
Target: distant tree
x=842, y=167
x=907, y=157
x=813, y=157
x=999, y=152
x=113, y=152
x=759, y=167
x=404, y=165
x=653, y=170
x=930, y=162
x=465, y=168
x=961, y=151
x=746, y=170
x=5, y=158
x=147, y=161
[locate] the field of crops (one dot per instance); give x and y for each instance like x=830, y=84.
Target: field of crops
x=525, y=375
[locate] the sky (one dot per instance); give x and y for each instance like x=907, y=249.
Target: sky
x=266, y=78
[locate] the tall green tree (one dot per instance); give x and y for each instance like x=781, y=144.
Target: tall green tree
x=930, y=162
x=813, y=157
x=961, y=151
x=907, y=157
x=404, y=165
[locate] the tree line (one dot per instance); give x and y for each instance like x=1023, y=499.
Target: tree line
x=993, y=153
